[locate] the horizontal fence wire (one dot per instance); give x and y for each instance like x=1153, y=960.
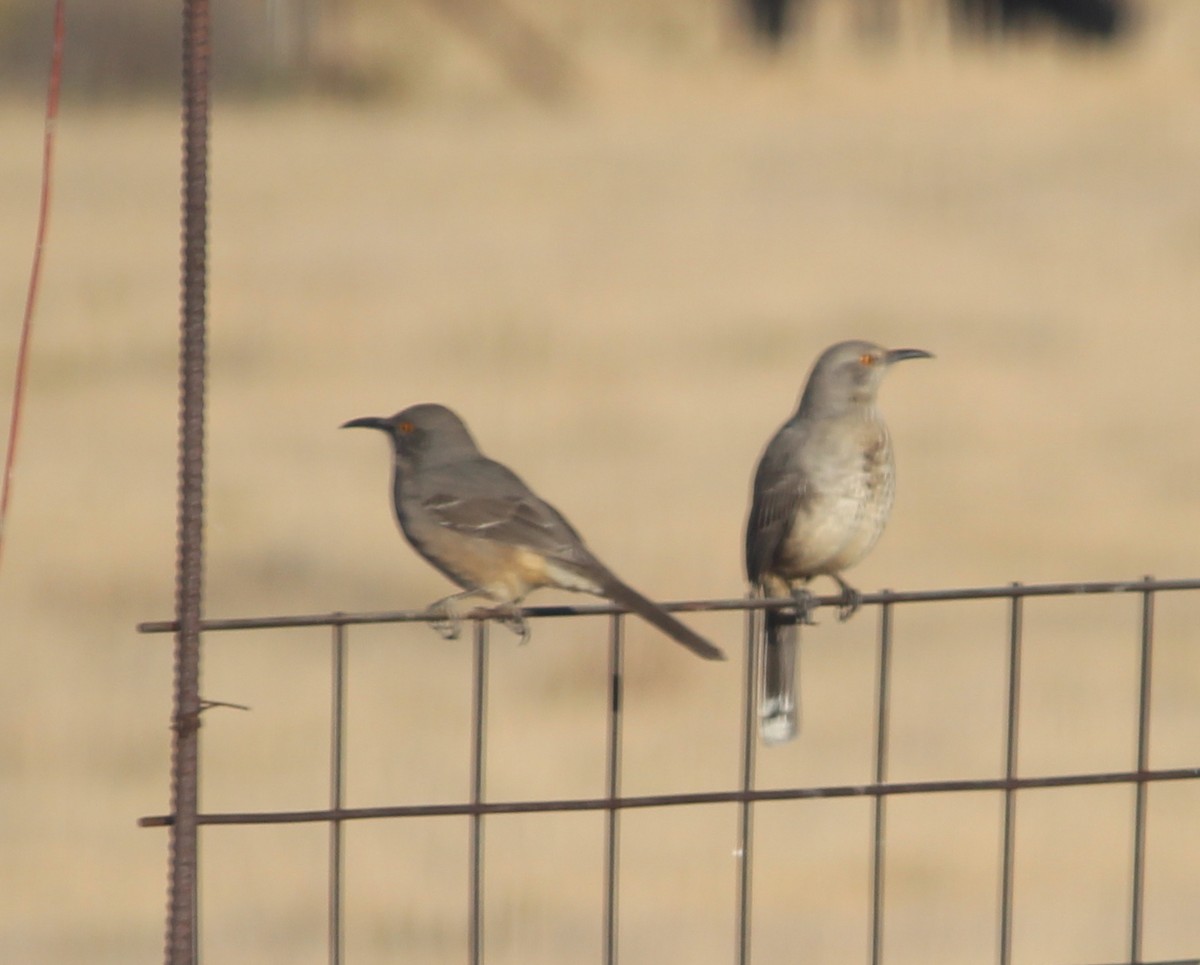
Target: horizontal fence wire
x=1172, y=961
x=1011, y=591
x=746, y=795
x=697, y=797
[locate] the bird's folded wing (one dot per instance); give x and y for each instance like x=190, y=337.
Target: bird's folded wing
x=518, y=519
x=771, y=515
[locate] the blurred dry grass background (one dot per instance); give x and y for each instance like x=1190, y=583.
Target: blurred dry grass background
x=621, y=294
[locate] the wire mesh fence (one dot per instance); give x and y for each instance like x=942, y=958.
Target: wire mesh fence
x=744, y=792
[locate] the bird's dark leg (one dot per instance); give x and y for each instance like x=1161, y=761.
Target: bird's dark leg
x=851, y=599
x=805, y=604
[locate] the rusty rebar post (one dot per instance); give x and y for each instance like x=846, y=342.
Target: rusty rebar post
x=182, y=926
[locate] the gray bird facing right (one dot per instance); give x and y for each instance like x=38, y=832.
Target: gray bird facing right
x=822, y=495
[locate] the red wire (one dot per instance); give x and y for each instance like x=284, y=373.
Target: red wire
x=35, y=273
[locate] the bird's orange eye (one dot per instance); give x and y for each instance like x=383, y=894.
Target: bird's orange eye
x=406, y=427
x=866, y=359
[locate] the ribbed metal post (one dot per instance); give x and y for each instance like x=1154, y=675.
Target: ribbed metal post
x=182, y=924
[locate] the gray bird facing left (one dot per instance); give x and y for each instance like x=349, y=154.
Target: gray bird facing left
x=477, y=522
x=822, y=495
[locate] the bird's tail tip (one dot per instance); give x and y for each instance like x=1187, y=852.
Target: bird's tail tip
x=777, y=721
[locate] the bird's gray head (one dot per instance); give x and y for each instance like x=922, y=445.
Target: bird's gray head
x=848, y=375
x=421, y=434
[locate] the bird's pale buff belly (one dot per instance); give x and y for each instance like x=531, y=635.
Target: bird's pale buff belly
x=842, y=526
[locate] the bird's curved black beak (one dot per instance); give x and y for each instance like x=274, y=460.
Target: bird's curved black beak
x=368, y=422
x=900, y=354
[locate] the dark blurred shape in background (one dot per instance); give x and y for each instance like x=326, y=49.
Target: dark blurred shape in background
x=1095, y=19
x=772, y=20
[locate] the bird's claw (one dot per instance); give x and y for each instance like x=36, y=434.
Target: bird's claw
x=444, y=620
x=850, y=607
x=851, y=601
x=511, y=618
x=446, y=626
x=805, y=604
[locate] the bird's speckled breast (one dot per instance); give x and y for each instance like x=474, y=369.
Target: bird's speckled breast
x=847, y=510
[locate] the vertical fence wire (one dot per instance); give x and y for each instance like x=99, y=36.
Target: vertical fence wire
x=478, y=735
x=1137, y=896
x=337, y=778
x=182, y=916
x=879, y=817
x=746, y=808
x=1008, y=845
x=616, y=701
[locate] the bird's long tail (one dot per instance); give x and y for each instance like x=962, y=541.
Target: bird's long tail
x=778, y=714
x=652, y=613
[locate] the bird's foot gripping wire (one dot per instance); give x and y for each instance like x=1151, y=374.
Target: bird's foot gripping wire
x=509, y=615
x=446, y=615
x=447, y=626
x=851, y=600
x=805, y=603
